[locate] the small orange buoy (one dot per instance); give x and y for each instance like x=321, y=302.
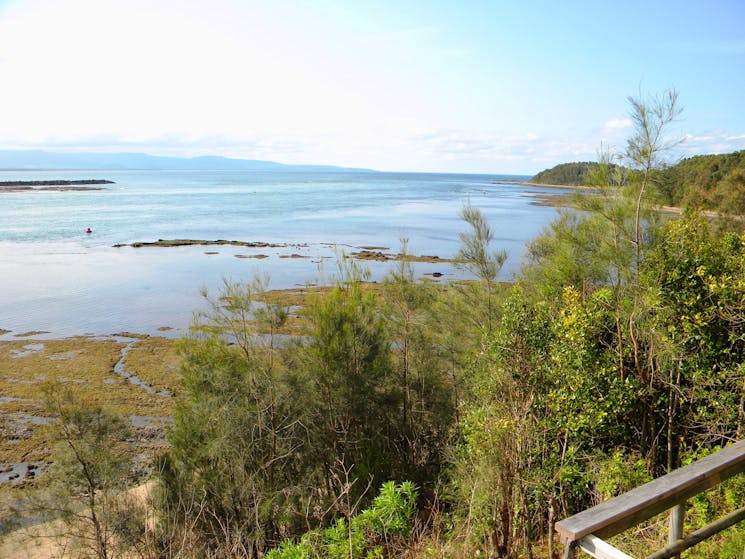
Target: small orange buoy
x=88, y=230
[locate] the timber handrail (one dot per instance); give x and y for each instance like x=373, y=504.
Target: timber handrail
x=587, y=528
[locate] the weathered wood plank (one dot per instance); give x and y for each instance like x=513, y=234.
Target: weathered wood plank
x=616, y=515
x=600, y=549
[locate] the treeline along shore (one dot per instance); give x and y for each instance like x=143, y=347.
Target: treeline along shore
x=712, y=183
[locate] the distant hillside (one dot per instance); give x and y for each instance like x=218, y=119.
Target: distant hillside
x=712, y=182
x=39, y=160
x=565, y=174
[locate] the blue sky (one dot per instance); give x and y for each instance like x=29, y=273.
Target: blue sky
x=459, y=86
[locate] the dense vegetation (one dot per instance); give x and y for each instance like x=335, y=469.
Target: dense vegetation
x=713, y=182
x=707, y=182
x=483, y=411
x=566, y=174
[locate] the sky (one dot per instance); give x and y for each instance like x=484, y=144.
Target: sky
x=469, y=86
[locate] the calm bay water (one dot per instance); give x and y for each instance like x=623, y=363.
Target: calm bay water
x=54, y=277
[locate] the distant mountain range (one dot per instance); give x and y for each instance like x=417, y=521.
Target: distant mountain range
x=43, y=160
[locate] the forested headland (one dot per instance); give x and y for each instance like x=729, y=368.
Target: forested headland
x=707, y=182
x=410, y=419
x=565, y=174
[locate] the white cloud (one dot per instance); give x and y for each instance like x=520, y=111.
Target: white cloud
x=709, y=142
x=513, y=153
x=618, y=124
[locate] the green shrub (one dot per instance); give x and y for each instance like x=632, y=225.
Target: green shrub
x=372, y=534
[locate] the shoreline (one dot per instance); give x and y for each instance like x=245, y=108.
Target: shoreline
x=566, y=186
x=100, y=310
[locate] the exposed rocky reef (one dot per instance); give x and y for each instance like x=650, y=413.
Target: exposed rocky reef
x=190, y=242
x=53, y=185
x=366, y=252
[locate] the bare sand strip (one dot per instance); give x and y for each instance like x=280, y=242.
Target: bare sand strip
x=43, y=541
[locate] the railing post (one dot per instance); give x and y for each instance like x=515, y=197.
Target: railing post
x=677, y=516
x=667, y=493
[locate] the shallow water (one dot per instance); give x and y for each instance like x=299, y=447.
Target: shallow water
x=56, y=278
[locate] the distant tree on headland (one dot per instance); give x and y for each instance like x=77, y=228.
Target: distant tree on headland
x=705, y=182
x=709, y=182
x=566, y=174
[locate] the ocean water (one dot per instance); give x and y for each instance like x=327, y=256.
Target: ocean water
x=54, y=277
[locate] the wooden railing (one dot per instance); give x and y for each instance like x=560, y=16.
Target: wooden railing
x=586, y=529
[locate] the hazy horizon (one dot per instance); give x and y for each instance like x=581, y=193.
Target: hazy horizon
x=30, y=161
x=467, y=87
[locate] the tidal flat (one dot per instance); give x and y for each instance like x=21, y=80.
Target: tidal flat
x=133, y=375
x=92, y=368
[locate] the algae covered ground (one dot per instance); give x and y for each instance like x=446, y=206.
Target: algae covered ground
x=136, y=377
